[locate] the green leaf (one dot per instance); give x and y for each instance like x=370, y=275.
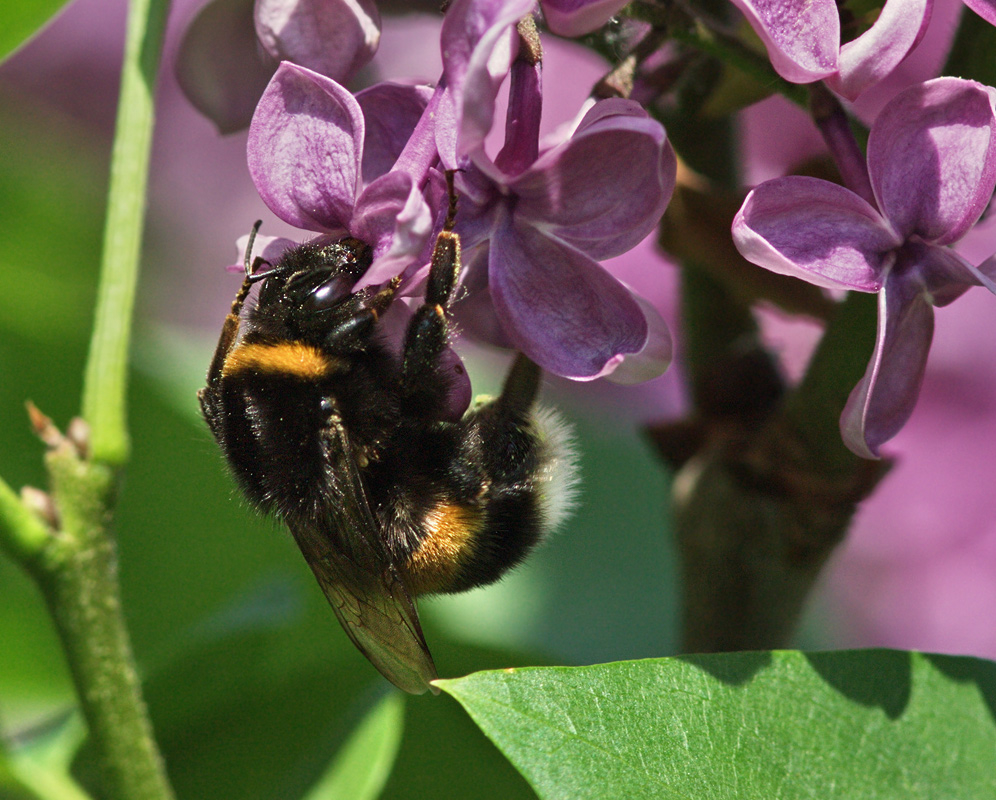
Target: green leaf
x=871, y=724
x=24, y=18
x=364, y=762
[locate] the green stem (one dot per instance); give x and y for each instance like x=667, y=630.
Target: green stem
x=760, y=507
x=77, y=572
x=105, y=380
x=22, y=535
x=76, y=565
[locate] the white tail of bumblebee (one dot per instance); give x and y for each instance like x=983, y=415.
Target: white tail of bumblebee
x=558, y=478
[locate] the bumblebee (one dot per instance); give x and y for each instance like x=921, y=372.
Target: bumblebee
x=347, y=443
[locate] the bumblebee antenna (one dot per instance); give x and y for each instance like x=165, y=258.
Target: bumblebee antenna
x=252, y=276
x=252, y=239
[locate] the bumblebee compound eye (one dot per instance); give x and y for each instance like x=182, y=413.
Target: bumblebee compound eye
x=327, y=295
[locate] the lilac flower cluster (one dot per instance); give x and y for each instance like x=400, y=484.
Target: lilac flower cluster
x=932, y=172
x=536, y=218
x=231, y=48
x=930, y=175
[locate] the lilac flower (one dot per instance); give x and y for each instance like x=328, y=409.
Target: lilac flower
x=540, y=220
x=932, y=165
x=594, y=196
x=803, y=40
x=231, y=49
x=322, y=161
x=316, y=166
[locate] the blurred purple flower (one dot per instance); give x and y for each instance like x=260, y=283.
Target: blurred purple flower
x=578, y=17
x=932, y=164
x=984, y=8
x=540, y=220
x=231, y=49
x=802, y=38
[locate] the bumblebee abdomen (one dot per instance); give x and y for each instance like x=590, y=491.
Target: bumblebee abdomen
x=506, y=485
x=450, y=536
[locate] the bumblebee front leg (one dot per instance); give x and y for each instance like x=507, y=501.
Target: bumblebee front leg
x=208, y=396
x=428, y=332
x=230, y=328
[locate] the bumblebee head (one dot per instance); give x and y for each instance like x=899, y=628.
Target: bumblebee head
x=308, y=295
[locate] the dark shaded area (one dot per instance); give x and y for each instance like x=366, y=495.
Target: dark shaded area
x=880, y=678
x=735, y=669
x=969, y=670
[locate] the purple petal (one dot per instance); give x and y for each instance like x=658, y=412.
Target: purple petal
x=988, y=269
x=478, y=42
x=480, y=204
x=605, y=188
x=883, y=401
x=219, y=66
x=333, y=37
x=305, y=145
x=984, y=8
x=655, y=357
x=932, y=158
x=946, y=275
x=522, y=119
x=607, y=109
x=817, y=231
x=578, y=17
x=560, y=307
x=477, y=319
x=391, y=112
x=393, y=218
x=802, y=37
x=879, y=50
x=269, y=248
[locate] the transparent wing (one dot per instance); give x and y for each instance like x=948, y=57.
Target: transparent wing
x=356, y=572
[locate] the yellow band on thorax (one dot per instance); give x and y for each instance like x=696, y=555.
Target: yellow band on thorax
x=293, y=359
